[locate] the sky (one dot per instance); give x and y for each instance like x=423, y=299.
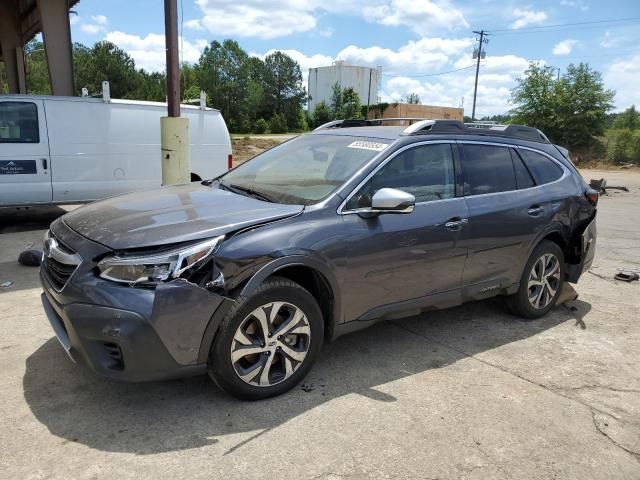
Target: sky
x=418, y=43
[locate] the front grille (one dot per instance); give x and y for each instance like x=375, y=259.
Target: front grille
x=59, y=262
x=57, y=272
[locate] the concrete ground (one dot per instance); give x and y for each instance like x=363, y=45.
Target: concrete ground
x=469, y=393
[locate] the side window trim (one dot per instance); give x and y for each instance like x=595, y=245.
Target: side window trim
x=565, y=170
x=515, y=156
x=342, y=208
x=24, y=102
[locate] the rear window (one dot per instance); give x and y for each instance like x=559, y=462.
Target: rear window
x=543, y=169
x=19, y=122
x=487, y=169
x=523, y=177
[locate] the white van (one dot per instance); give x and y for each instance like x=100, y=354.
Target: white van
x=78, y=149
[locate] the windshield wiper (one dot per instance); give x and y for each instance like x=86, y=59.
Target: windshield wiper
x=248, y=191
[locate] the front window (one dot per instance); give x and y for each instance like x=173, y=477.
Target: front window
x=19, y=122
x=426, y=172
x=305, y=170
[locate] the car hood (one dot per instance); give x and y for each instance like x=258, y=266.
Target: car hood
x=171, y=215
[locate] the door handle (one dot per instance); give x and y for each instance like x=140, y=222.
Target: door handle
x=456, y=224
x=535, y=210
x=44, y=163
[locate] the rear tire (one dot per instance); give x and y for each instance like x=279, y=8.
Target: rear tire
x=541, y=282
x=267, y=342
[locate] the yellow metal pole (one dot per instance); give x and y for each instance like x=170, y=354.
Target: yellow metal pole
x=174, y=130
x=174, y=138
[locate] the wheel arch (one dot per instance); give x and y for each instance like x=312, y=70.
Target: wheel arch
x=310, y=273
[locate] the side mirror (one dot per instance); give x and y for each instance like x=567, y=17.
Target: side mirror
x=390, y=200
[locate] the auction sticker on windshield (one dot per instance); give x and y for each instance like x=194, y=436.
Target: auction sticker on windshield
x=378, y=147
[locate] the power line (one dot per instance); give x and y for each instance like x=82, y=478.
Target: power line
x=574, y=24
x=429, y=74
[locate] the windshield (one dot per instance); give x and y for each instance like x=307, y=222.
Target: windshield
x=304, y=170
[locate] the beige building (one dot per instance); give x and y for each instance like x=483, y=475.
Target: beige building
x=407, y=110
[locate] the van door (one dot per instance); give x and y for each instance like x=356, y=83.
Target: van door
x=25, y=176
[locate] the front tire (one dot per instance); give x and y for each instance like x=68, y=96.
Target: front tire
x=541, y=282
x=267, y=342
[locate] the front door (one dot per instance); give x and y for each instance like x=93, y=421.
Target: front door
x=25, y=170
x=404, y=257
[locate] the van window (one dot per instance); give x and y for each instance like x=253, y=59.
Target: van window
x=543, y=169
x=523, y=177
x=19, y=122
x=426, y=172
x=487, y=169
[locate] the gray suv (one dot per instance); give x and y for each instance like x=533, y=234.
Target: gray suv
x=247, y=275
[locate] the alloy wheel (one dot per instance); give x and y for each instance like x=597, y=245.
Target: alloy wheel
x=544, y=281
x=270, y=344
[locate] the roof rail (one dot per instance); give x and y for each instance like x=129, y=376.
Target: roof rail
x=425, y=126
x=371, y=122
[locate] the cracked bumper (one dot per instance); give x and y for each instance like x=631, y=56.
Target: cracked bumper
x=134, y=334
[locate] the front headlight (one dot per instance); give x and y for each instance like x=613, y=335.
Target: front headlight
x=157, y=267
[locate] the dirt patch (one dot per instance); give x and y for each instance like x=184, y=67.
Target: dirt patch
x=248, y=147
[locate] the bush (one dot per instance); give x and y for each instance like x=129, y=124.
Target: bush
x=623, y=146
x=260, y=126
x=278, y=124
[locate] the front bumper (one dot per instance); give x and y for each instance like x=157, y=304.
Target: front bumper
x=133, y=334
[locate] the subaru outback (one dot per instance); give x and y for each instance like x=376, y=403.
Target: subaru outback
x=247, y=275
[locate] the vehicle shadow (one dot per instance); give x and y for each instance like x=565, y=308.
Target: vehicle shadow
x=14, y=220
x=158, y=417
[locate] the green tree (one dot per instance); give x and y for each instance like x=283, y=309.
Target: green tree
x=222, y=73
x=534, y=98
x=571, y=111
x=413, y=99
x=321, y=114
x=283, y=90
x=278, y=123
x=351, y=104
x=105, y=61
x=630, y=119
x=336, y=101
x=36, y=69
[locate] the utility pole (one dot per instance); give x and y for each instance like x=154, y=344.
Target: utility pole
x=480, y=55
x=174, y=130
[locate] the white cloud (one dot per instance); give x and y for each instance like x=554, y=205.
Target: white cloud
x=267, y=19
x=149, y=52
x=256, y=18
x=622, y=76
x=194, y=24
x=100, y=19
x=305, y=61
x=428, y=56
x=527, y=17
x=92, y=28
x=423, y=16
x=565, y=47
x=424, y=55
x=575, y=4
x=607, y=41
x=73, y=19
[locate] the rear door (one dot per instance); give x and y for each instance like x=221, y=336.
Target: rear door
x=25, y=176
x=506, y=213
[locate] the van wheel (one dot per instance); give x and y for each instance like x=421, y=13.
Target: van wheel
x=267, y=342
x=541, y=282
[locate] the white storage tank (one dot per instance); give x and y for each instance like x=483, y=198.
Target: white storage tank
x=364, y=80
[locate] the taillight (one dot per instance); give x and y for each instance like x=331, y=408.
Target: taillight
x=592, y=196
x=230, y=162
